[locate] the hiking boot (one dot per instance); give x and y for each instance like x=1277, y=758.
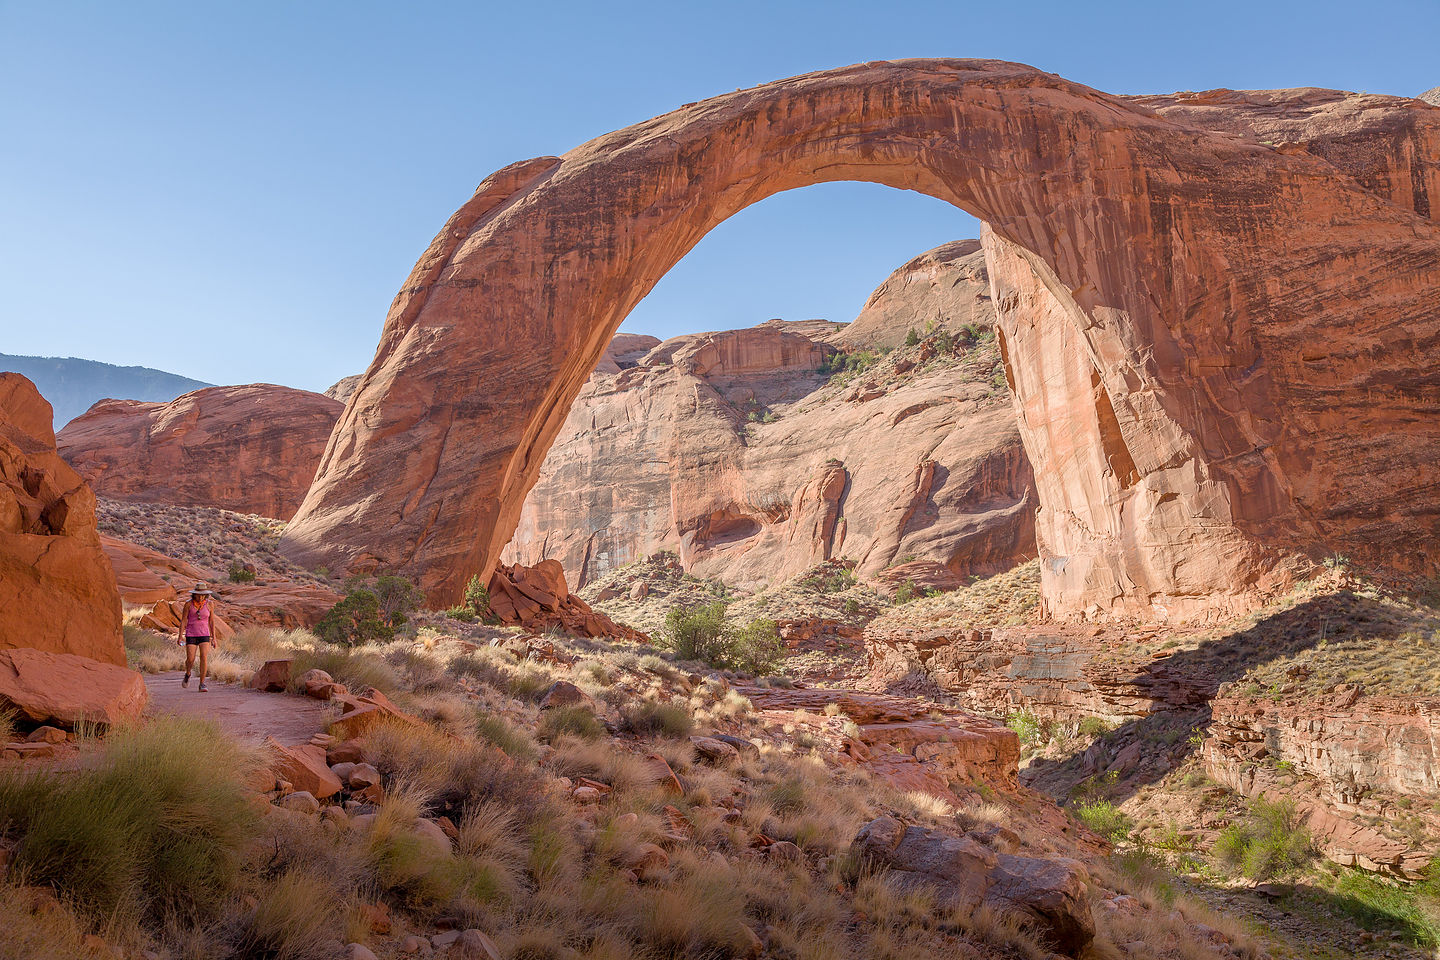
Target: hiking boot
x=186, y=681
x=204, y=689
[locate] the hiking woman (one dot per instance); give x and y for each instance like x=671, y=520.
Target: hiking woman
x=197, y=632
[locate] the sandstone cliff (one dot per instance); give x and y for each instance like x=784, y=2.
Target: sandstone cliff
x=57, y=591
x=736, y=451
x=251, y=449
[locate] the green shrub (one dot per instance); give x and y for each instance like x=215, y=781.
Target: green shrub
x=906, y=592
x=1269, y=843
x=911, y=337
x=852, y=606
x=756, y=649
x=356, y=619
x=650, y=718
x=463, y=614
x=829, y=579
x=944, y=343
x=1374, y=901
x=1094, y=727
x=496, y=730
x=698, y=632
x=398, y=598
x=1027, y=727
x=1105, y=819
x=477, y=597
x=155, y=829
x=238, y=573
x=576, y=721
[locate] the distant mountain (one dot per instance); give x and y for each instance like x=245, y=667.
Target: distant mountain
x=72, y=385
x=1431, y=96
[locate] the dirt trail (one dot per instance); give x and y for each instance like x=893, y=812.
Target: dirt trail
x=248, y=715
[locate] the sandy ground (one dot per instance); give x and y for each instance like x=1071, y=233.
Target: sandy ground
x=248, y=715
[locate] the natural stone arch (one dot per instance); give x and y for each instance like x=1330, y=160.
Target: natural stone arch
x=1163, y=290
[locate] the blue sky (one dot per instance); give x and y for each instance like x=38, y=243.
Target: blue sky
x=235, y=192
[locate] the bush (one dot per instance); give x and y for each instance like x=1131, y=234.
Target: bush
x=576, y=721
x=756, y=649
x=852, y=606
x=650, y=718
x=155, y=829
x=463, y=614
x=829, y=579
x=698, y=632
x=1269, y=843
x=238, y=573
x=701, y=633
x=911, y=337
x=356, y=619
x=477, y=597
x=1027, y=727
x=1103, y=817
x=906, y=592
x=1094, y=727
x=398, y=598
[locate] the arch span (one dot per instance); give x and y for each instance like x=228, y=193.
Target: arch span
x=1219, y=348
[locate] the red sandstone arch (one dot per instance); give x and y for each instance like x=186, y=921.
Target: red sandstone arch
x=1219, y=346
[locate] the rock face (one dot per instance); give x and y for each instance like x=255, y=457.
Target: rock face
x=1241, y=398
x=733, y=451
x=252, y=449
x=57, y=591
x=1354, y=755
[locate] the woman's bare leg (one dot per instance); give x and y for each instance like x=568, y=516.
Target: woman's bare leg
x=204, y=659
x=189, y=657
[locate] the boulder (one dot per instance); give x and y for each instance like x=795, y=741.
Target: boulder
x=57, y=591
x=563, y=693
x=62, y=689
x=716, y=751
x=538, y=599
x=301, y=801
x=473, y=945
x=273, y=677
x=1050, y=893
x=304, y=766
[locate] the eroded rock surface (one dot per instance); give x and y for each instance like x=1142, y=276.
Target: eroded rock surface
x=57, y=591
x=1241, y=400
x=251, y=449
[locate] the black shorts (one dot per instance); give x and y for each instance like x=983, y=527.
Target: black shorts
x=196, y=640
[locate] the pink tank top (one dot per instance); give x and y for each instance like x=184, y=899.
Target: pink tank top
x=197, y=624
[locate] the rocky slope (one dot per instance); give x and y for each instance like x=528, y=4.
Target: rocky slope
x=57, y=591
x=755, y=454
x=72, y=385
x=250, y=449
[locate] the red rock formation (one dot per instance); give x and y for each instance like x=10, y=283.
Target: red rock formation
x=731, y=451
x=538, y=599
x=150, y=579
x=66, y=690
x=252, y=449
x=57, y=591
x=1224, y=290
x=942, y=289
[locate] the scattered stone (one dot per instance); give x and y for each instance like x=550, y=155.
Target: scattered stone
x=273, y=677
x=342, y=770
x=47, y=734
x=362, y=775
x=346, y=751
x=784, y=851
x=377, y=915
x=473, y=945
x=305, y=767
x=301, y=802
x=563, y=693
x=358, y=951
x=744, y=747
x=715, y=751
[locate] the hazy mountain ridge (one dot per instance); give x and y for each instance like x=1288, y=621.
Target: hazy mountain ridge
x=72, y=385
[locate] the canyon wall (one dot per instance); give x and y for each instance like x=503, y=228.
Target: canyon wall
x=1261, y=316
x=251, y=449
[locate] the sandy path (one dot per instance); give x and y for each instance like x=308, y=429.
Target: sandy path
x=248, y=715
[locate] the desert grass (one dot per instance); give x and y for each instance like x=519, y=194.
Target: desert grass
x=155, y=829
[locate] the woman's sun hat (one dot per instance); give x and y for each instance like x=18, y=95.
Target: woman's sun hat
x=200, y=589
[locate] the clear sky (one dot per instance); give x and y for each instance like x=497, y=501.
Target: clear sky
x=234, y=192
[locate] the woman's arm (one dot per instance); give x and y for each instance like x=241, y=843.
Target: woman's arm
x=210, y=615
x=180, y=630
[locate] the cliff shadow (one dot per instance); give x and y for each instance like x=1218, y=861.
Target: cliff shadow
x=1181, y=685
